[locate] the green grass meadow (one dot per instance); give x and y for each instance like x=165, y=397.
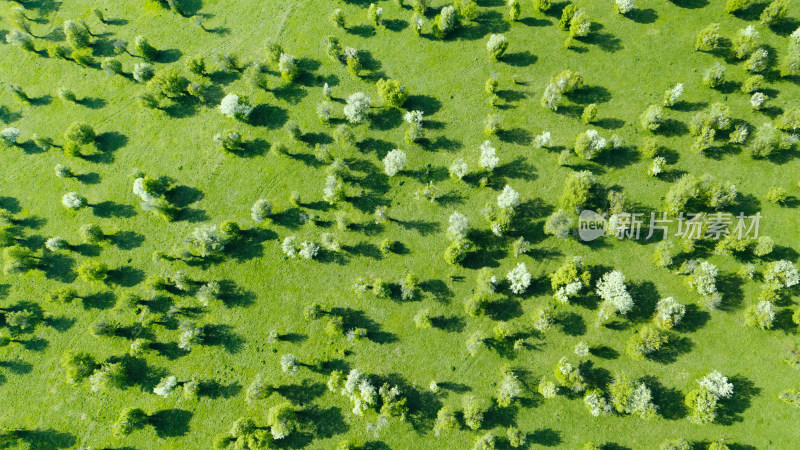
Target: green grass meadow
x=627, y=64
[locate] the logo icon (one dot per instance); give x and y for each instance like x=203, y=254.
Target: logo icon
x=591, y=225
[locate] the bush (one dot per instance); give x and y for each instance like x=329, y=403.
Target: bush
x=589, y=113
x=233, y=106
x=566, y=16
x=10, y=136
x=142, y=72
x=624, y=6
x=21, y=40
x=714, y=76
x=757, y=61
x=288, y=67
x=744, y=42
x=357, y=108
x=111, y=66
x=733, y=6
x=392, y=92
x=589, y=144
x=394, y=162
x=83, y=57
x=579, y=190
x=169, y=82
x=77, y=34
x=776, y=195
x=445, y=22
x=760, y=315
x=774, y=12
x=708, y=38
x=229, y=142
x=90, y=271
x=145, y=50
x=497, y=46
x=542, y=5
x=652, y=118
x=646, y=341
x=766, y=140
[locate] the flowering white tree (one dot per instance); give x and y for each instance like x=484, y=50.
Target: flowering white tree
x=232, y=107
x=703, y=278
x=671, y=96
x=10, y=136
x=459, y=224
x=497, y=45
x=781, y=274
x=289, y=364
x=357, y=108
x=508, y=199
x=287, y=66
x=261, y=210
x=589, y=144
x=717, y=384
x=289, y=246
x=394, y=162
x=73, y=200
x=308, y=250
x=668, y=313
x=611, y=288
x=519, y=278
x=165, y=386
x=508, y=389
x=56, y=243
x=760, y=315
x=413, y=117
x=488, y=159
x=459, y=168
x=542, y=140
x=625, y=6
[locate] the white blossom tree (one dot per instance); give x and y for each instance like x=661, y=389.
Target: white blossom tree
x=357, y=108
x=488, y=159
x=717, y=384
x=394, y=162
x=232, y=106
x=508, y=199
x=459, y=224
x=10, y=136
x=520, y=278
x=616, y=298
x=73, y=200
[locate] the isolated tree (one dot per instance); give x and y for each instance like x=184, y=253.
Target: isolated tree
x=392, y=93
x=357, y=108
x=652, y=118
x=394, y=162
x=616, y=298
x=708, y=38
x=520, y=278
x=233, y=106
x=669, y=313
x=445, y=22
x=288, y=67
x=79, y=137
x=90, y=271
x=497, y=46
x=128, y=420
x=625, y=6
x=10, y=136
x=142, y=72
x=73, y=200
x=77, y=34
x=282, y=420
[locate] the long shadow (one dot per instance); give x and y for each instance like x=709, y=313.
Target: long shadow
x=47, y=439
x=730, y=410
x=357, y=319
x=269, y=116
x=669, y=400
x=224, y=336
x=643, y=16
x=110, y=209
x=170, y=423
x=324, y=423
x=690, y=4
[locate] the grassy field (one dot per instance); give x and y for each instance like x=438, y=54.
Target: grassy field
x=627, y=63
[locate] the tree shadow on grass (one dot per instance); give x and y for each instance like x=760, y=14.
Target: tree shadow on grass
x=110, y=209
x=99, y=300
x=520, y=59
x=675, y=347
x=437, y=288
x=125, y=276
x=690, y=4
x=304, y=393
x=572, y=324
x=669, y=400
x=213, y=389
x=57, y=266
x=504, y=308
x=606, y=41
x=694, y=319
x=268, y=116
x=223, y=336
x=730, y=410
x=233, y=295
x=357, y=319
x=644, y=16
x=171, y=422
x=46, y=439
x=323, y=423
x=546, y=437
x=427, y=104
